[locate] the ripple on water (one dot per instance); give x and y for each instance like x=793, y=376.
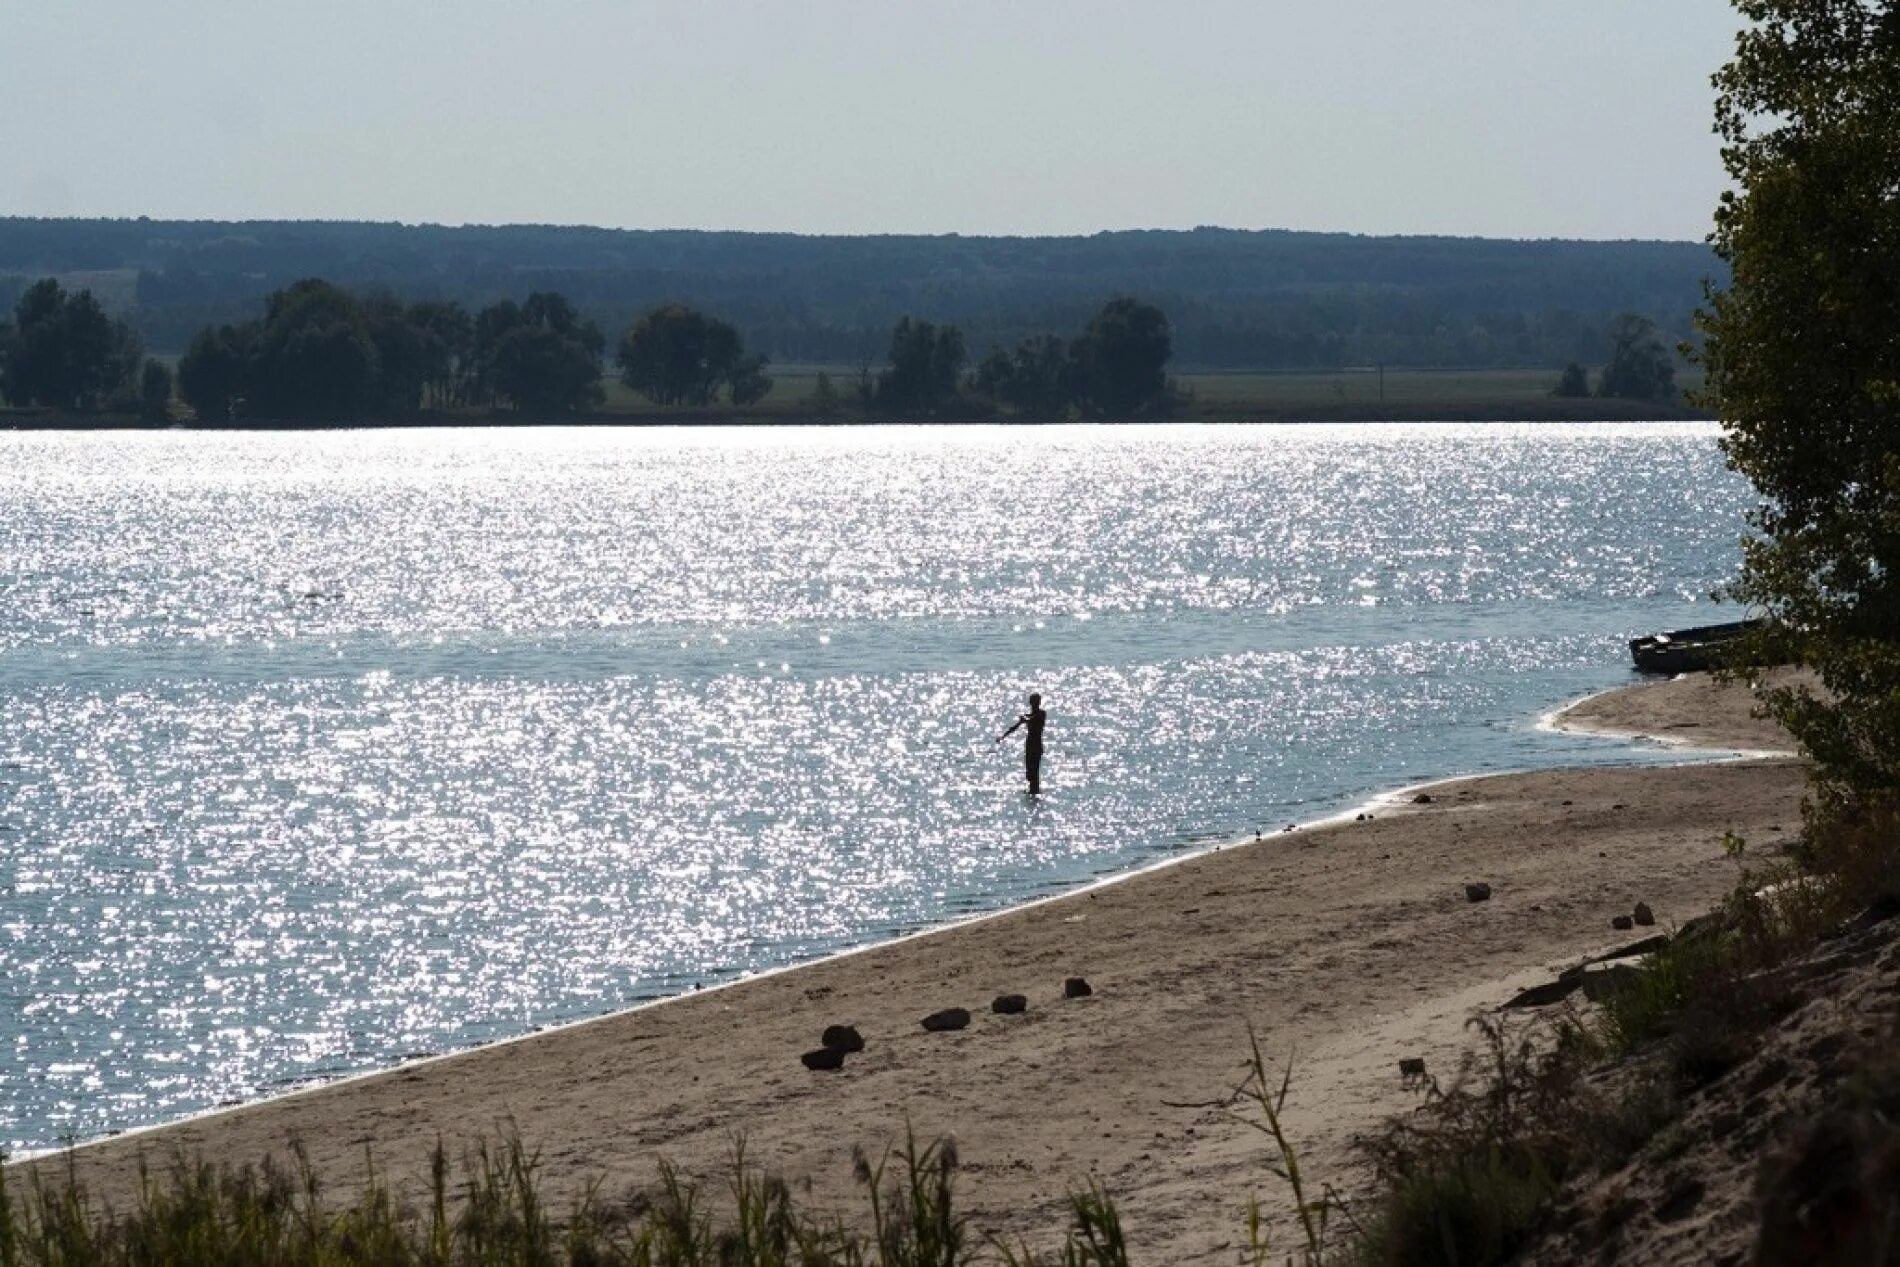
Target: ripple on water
x=321, y=749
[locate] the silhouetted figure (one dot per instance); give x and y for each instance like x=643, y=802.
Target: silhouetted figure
x=1032, y=742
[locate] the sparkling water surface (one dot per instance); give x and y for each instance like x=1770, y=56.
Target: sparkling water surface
x=318, y=750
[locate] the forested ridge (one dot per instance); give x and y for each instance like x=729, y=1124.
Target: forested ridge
x=1250, y=299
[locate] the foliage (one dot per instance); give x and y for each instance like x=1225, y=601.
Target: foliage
x=324, y=354
x=1119, y=363
x=155, y=393
x=542, y=357
x=676, y=355
x=1804, y=367
x=1036, y=378
x=63, y=351
x=1640, y=367
x=312, y=356
x=824, y=399
x=1281, y=299
x=1573, y=383
x=926, y=363
x=213, y=370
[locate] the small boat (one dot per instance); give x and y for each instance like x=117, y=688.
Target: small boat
x=1687, y=650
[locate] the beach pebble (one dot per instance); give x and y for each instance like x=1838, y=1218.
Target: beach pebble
x=1009, y=1004
x=1423, y=798
x=842, y=1038
x=1622, y=923
x=1076, y=988
x=824, y=1058
x=1412, y=1067
x=1644, y=915
x=1477, y=892
x=949, y=1018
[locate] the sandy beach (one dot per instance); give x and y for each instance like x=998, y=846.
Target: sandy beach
x=1345, y=947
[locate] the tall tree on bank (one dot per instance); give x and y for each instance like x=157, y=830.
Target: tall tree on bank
x=1640, y=367
x=212, y=372
x=63, y=351
x=314, y=357
x=1121, y=359
x=675, y=355
x=1036, y=378
x=926, y=364
x=542, y=357
x=1804, y=364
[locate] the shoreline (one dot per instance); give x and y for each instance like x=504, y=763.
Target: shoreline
x=1573, y=716
x=1557, y=410
x=1344, y=1000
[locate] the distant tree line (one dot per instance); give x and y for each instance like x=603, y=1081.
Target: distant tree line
x=1117, y=366
x=321, y=352
x=1273, y=299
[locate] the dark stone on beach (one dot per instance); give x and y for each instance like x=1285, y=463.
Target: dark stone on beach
x=1360, y=819
x=1423, y=798
x=1076, y=988
x=1643, y=915
x=1009, y=1004
x=1622, y=923
x=1412, y=1066
x=949, y=1018
x=1477, y=893
x=824, y=1058
x=843, y=1038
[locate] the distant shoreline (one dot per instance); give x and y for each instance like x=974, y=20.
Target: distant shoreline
x=1589, y=409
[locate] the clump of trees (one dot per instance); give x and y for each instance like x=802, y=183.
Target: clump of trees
x=675, y=355
x=63, y=351
x=926, y=368
x=1117, y=367
x=1639, y=368
x=1804, y=367
x=321, y=352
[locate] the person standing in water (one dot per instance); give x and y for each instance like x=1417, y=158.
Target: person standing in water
x=1032, y=742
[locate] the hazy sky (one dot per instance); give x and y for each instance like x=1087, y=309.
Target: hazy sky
x=1516, y=118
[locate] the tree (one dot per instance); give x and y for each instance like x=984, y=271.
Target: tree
x=448, y=344
x=824, y=399
x=1120, y=362
x=1804, y=367
x=747, y=382
x=65, y=351
x=926, y=364
x=314, y=356
x=1573, y=382
x=542, y=357
x=1037, y=377
x=676, y=355
x=1640, y=367
x=155, y=393
x=212, y=372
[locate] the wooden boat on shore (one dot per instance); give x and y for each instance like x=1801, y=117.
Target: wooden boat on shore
x=1686, y=650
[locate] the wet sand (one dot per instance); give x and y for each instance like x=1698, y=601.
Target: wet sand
x=1344, y=947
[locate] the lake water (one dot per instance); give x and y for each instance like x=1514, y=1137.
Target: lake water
x=322, y=749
